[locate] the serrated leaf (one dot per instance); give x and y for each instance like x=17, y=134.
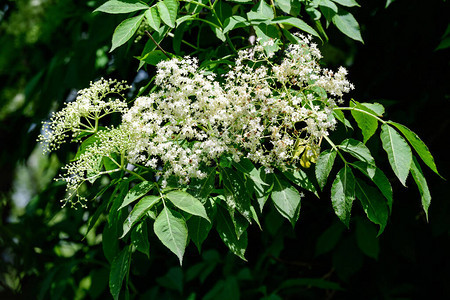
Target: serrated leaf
x=422, y=185
x=198, y=230
x=171, y=229
x=287, y=200
x=398, y=151
x=136, y=192
x=296, y=22
x=357, y=150
x=168, y=10
x=139, y=210
x=418, y=145
x=227, y=233
x=377, y=176
x=324, y=165
x=121, y=6
x=187, y=202
x=347, y=24
x=125, y=31
x=343, y=194
x=348, y=3
x=119, y=269
x=373, y=204
x=152, y=17
x=366, y=122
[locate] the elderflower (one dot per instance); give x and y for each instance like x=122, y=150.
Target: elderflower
x=83, y=114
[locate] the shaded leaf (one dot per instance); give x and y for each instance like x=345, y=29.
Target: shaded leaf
x=198, y=230
x=227, y=233
x=366, y=238
x=421, y=182
x=329, y=238
x=139, y=239
x=287, y=199
x=348, y=3
x=119, y=269
x=373, y=204
x=377, y=176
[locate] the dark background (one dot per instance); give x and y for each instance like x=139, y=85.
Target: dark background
x=398, y=65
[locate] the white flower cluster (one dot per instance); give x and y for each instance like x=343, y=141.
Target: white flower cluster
x=269, y=113
x=82, y=115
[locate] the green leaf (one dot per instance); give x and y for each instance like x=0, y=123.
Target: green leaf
x=324, y=165
x=300, y=178
x=262, y=191
x=225, y=228
x=373, y=204
x=121, y=6
x=398, y=151
x=125, y=31
x=119, y=269
x=139, y=210
x=366, y=238
x=202, y=188
x=328, y=9
x=268, y=33
x=234, y=22
x=290, y=7
x=357, y=150
x=235, y=192
x=347, y=24
x=421, y=182
x=296, y=22
x=187, y=202
x=418, y=145
x=376, y=108
x=171, y=229
x=152, y=17
x=286, y=199
x=137, y=192
x=339, y=115
x=155, y=57
x=366, y=122
x=377, y=176
x=198, y=230
x=329, y=238
x=168, y=10
x=260, y=12
x=343, y=194
x=139, y=239
x=348, y=3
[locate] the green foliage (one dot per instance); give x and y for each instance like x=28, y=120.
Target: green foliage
x=135, y=219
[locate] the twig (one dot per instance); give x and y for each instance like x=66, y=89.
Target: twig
x=157, y=45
